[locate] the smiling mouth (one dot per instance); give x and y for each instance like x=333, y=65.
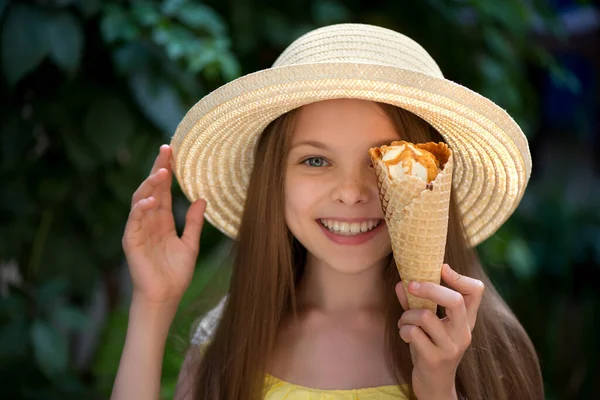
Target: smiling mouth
x=349, y=228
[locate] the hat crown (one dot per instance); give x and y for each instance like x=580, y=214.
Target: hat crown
x=359, y=43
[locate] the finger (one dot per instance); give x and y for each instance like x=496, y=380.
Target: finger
x=430, y=324
x=471, y=289
x=401, y=294
x=164, y=189
x=194, y=221
x=416, y=337
x=136, y=216
x=451, y=300
x=150, y=187
x=162, y=159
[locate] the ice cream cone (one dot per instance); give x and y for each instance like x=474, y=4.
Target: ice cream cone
x=416, y=214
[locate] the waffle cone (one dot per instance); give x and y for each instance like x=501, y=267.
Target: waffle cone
x=417, y=218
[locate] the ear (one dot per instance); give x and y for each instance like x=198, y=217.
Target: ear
x=401, y=294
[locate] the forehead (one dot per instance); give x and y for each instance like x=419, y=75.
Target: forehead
x=347, y=120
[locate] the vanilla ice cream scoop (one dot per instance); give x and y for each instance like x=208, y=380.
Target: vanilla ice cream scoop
x=404, y=158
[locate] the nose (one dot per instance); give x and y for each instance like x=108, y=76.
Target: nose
x=352, y=189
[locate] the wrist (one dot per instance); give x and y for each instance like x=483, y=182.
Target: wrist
x=155, y=318
x=165, y=307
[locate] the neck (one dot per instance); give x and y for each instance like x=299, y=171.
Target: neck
x=330, y=291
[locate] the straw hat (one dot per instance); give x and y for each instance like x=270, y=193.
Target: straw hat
x=213, y=145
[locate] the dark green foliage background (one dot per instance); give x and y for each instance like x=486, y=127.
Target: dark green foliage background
x=91, y=89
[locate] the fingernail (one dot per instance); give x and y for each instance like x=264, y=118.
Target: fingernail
x=414, y=286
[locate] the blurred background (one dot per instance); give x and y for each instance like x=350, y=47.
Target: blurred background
x=90, y=89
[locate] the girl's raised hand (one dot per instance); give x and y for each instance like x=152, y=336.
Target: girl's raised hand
x=161, y=264
x=437, y=345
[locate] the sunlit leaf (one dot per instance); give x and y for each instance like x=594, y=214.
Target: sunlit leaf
x=66, y=40
x=170, y=7
x=202, y=59
x=24, y=41
x=50, y=348
x=520, y=258
x=197, y=15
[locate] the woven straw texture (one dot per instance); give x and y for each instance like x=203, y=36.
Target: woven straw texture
x=417, y=221
x=213, y=145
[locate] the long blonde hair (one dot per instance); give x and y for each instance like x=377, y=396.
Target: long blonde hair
x=501, y=362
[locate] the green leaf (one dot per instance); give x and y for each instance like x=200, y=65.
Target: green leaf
x=520, y=258
x=89, y=8
x=170, y=7
x=70, y=317
x=50, y=291
x=277, y=29
x=145, y=13
x=499, y=44
x=14, y=338
x=178, y=41
x=511, y=14
x=117, y=25
x=66, y=41
x=202, y=58
x=12, y=306
x=158, y=100
x=24, y=42
x=108, y=125
x=54, y=190
x=3, y=4
x=199, y=16
x=229, y=65
x=79, y=152
x=50, y=349
x=131, y=57
x=329, y=12
x=110, y=349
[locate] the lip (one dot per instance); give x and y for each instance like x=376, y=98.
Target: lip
x=355, y=239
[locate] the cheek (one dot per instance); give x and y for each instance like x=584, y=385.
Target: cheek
x=302, y=197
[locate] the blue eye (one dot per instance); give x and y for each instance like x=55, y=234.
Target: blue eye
x=320, y=162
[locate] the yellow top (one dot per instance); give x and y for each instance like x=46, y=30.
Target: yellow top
x=278, y=389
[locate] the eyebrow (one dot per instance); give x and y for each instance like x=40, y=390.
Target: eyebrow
x=321, y=145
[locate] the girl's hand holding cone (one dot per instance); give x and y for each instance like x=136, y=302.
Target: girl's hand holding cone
x=437, y=345
x=161, y=263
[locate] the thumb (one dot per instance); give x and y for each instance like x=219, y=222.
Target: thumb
x=194, y=220
x=402, y=295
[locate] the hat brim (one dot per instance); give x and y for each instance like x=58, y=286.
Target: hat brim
x=213, y=145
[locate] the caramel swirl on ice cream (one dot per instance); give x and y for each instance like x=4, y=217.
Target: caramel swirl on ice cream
x=424, y=160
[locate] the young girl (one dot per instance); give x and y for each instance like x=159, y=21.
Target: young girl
x=279, y=161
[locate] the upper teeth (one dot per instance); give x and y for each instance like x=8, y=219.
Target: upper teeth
x=347, y=228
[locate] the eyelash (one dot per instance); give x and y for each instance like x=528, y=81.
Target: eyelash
x=314, y=158
x=321, y=158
